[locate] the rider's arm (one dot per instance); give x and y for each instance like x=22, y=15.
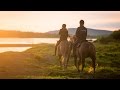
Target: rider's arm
x=77, y=32
x=86, y=33
x=68, y=34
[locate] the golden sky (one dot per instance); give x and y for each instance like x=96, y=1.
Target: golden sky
x=43, y=21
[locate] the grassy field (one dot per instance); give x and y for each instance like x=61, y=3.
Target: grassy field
x=38, y=62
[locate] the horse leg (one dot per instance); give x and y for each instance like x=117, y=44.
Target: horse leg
x=75, y=56
x=83, y=63
x=93, y=62
x=63, y=62
x=67, y=60
x=68, y=57
x=75, y=61
x=78, y=66
x=60, y=60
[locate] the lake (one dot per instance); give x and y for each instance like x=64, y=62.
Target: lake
x=25, y=41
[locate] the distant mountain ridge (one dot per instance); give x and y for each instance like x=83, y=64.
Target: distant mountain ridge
x=51, y=34
x=91, y=32
x=20, y=34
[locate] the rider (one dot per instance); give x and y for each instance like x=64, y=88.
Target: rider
x=81, y=34
x=63, y=35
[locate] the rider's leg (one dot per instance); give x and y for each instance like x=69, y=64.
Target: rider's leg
x=58, y=42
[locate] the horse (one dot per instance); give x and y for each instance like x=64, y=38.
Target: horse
x=64, y=50
x=85, y=50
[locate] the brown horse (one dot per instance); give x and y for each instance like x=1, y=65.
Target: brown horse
x=86, y=49
x=64, y=49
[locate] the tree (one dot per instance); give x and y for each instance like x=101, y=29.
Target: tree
x=116, y=35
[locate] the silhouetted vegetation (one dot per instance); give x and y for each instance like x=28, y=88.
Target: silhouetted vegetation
x=116, y=35
x=113, y=37
x=19, y=34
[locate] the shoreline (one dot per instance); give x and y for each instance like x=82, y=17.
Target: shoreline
x=30, y=45
x=17, y=45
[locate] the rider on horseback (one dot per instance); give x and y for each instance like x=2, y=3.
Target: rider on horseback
x=63, y=35
x=81, y=34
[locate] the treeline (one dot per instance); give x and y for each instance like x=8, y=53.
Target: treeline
x=19, y=34
x=113, y=37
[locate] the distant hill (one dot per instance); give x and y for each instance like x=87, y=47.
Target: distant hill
x=20, y=34
x=50, y=34
x=91, y=32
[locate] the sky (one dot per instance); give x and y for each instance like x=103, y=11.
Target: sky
x=44, y=21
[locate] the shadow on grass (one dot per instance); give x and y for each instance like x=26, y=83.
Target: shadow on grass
x=107, y=74
x=101, y=73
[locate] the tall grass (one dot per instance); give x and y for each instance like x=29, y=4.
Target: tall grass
x=108, y=59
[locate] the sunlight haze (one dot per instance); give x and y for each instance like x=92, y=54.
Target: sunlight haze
x=43, y=21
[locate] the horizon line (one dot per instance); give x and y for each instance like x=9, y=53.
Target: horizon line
x=55, y=30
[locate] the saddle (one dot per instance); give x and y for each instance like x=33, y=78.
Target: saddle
x=79, y=44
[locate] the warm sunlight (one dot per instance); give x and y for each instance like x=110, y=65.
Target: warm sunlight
x=43, y=21
x=59, y=44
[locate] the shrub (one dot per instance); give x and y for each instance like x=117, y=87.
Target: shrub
x=116, y=35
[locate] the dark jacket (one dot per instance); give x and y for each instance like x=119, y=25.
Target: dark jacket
x=63, y=34
x=81, y=33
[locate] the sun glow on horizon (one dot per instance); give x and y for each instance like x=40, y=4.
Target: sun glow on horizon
x=44, y=21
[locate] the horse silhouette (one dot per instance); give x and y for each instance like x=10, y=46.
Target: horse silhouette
x=85, y=50
x=64, y=50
